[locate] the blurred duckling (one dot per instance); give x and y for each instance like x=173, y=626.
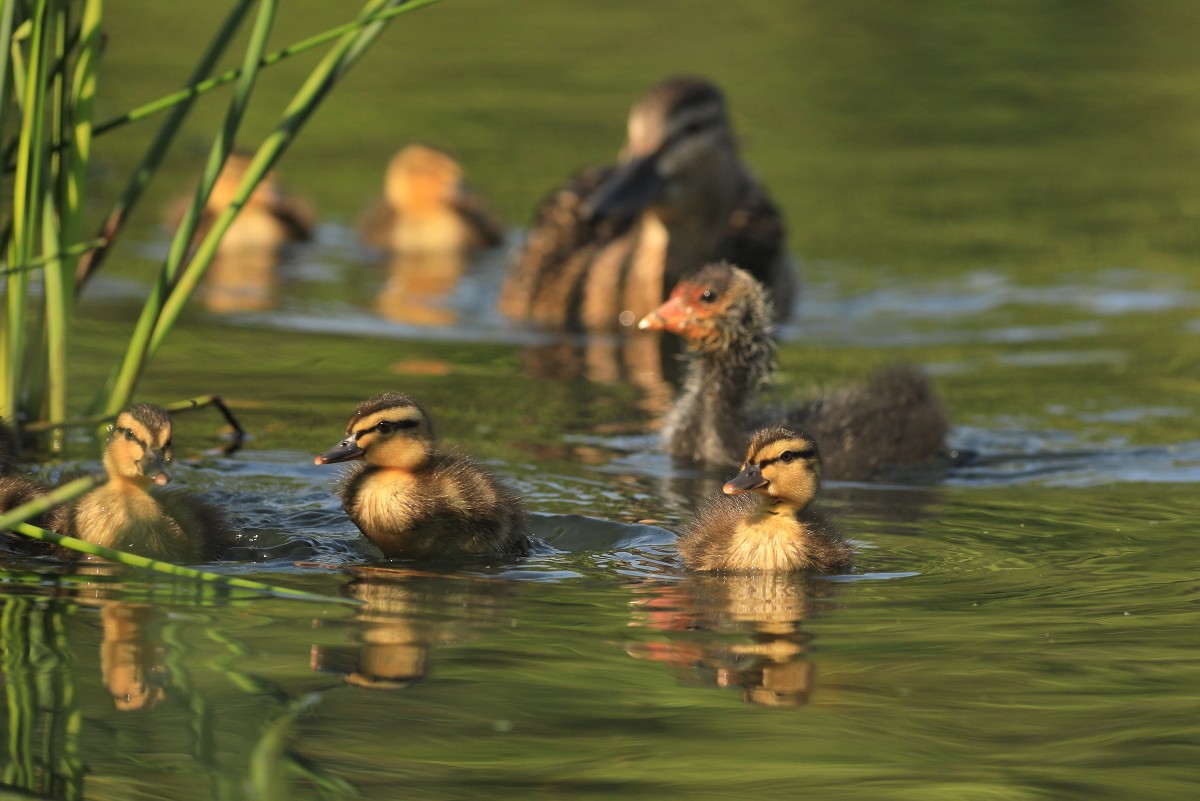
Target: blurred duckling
x=605, y=249
x=425, y=208
x=412, y=499
x=894, y=418
x=125, y=514
x=765, y=520
x=269, y=220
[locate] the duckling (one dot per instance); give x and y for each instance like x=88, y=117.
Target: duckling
x=722, y=313
x=16, y=490
x=412, y=499
x=125, y=515
x=605, y=249
x=426, y=209
x=270, y=218
x=764, y=520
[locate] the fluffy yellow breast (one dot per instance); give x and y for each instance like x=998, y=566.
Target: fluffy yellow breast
x=765, y=541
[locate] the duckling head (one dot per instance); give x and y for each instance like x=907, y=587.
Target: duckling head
x=422, y=179
x=782, y=466
x=389, y=430
x=713, y=310
x=265, y=195
x=139, y=447
x=679, y=148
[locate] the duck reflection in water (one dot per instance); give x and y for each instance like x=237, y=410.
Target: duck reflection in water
x=398, y=624
x=429, y=224
x=132, y=657
x=243, y=276
x=735, y=631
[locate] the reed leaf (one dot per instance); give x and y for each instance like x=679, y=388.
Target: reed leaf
x=135, y=355
x=145, y=563
x=114, y=222
x=331, y=68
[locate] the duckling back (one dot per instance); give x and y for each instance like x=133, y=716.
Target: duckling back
x=446, y=508
x=894, y=418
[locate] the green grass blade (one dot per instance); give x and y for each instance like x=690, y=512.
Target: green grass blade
x=184, y=95
x=330, y=69
x=144, y=563
x=136, y=353
x=27, y=196
x=115, y=220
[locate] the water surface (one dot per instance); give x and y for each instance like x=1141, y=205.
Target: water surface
x=1004, y=195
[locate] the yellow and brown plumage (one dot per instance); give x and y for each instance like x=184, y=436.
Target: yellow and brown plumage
x=426, y=209
x=894, y=418
x=125, y=514
x=765, y=519
x=414, y=500
x=270, y=219
x=605, y=249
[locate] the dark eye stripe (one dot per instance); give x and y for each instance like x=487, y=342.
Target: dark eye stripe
x=788, y=457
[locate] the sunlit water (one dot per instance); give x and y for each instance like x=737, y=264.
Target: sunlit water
x=1022, y=626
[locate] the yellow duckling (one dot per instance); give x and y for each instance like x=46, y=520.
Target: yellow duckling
x=425, y=208
x=270, y=218
x=764, y=520
x=125, y=515
x=413, y=500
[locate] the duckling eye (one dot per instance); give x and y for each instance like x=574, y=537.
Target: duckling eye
x=708, y=296
x=787, y=457
x=129, y=434
x=383, y=427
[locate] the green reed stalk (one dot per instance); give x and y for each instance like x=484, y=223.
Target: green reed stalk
x=115, y=220
x=145, y=563
x=332, y=67
x=184, y=95
x=27, y=191
x=136, y=354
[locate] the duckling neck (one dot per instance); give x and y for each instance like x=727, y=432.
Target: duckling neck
x=706, y=422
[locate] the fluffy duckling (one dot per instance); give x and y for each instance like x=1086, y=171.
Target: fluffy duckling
x=425, y=208
x=269, y=220
x=605, y=249
x=764, y=520
x=413, y=500
x=124, y=513
x=722, y=313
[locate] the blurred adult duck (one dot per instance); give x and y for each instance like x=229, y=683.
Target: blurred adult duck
x=413, y=499
x=764, y=520
x=127, y=513
x=270, y=219
x=722, y=313
x=605, y=248
x=426, y=209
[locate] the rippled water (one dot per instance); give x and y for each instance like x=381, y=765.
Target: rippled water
x=1006, y=196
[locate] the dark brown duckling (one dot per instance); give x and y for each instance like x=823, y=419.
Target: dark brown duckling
x=426, y=209
x=764, y=520
x=412, y=499
x=125, y=514
x=605, y=249
x=722, y=312
x=16, y=490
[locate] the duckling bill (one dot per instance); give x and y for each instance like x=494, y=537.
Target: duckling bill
x=412, y=499
x=765, y=519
